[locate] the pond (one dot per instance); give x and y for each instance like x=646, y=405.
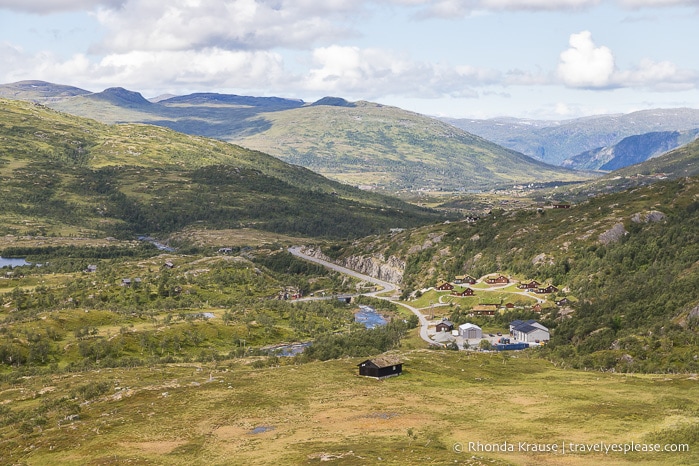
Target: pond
x=368, y=316
x=12, y=262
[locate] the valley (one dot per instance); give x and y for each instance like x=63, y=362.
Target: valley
x=114, y=350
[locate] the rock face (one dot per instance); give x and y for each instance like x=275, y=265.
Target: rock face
x=648, y=217
x=613, y=235
x=389, y=270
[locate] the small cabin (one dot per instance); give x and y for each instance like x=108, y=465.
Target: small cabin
x=381, y=367
x=499, y=280
x=444, y=326
x=466, y=292
x=445, y=286
x=464, y=279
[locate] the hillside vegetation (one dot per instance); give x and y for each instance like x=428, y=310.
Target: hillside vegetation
x=376, y=145
x=358, y=143
x=630, y=261
x=63, y=175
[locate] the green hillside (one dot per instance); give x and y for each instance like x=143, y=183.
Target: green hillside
x=357, y=143
x=628, y=262
x=64, y=175
x=386, y=147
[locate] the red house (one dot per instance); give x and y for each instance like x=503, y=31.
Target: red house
x=446, y=286
x=459, y=279
x=499, y=280
x=444, y=326
x=467, y=292
x=547, y=290
x=532, y=285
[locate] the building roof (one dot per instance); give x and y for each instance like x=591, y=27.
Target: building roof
x=526, y=328
x=529, y=326
x=446, y=322
x=468, y=325
x=383, y=361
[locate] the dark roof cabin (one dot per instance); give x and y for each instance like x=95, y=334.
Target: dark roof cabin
x=381, y=367
x=466, y=292
x=500, y=279
x=460, y=279
x=445, y=286
x=444, y=326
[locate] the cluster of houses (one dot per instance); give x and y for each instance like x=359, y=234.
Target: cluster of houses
x=533, y=285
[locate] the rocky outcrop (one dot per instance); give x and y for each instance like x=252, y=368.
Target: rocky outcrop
x=648, y=217
x=389, y=270
x=613, y=235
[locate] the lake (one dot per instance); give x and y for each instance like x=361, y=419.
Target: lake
x=12, y=262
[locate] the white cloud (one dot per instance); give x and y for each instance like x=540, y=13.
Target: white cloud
x=371, y=73
x=54, y=6
x=232, y=24
x=585, y=65
x=588, y=66
x=210, y=68
x=657, y=76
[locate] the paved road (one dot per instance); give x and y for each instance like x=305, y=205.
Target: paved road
x=387, y=287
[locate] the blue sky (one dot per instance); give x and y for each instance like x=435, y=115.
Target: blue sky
x=540, y=59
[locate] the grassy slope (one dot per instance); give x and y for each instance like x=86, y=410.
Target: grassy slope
x=390, y=147
x=59, y=172
x=192, y=414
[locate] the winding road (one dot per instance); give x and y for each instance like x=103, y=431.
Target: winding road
x=387, y=287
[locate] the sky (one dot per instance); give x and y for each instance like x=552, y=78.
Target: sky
x=539, y=59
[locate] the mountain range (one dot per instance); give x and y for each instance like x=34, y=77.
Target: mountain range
x=555, y=142
x=631, y=150
x=358, y=143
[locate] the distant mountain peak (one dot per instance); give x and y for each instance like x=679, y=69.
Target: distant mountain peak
x=39, y=91
x=122, y=95
x=334, y=102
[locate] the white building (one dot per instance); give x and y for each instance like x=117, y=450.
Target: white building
x=529, y=331
x=470, y=331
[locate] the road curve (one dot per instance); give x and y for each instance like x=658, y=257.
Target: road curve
x=296, y=251
x=424, y=323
